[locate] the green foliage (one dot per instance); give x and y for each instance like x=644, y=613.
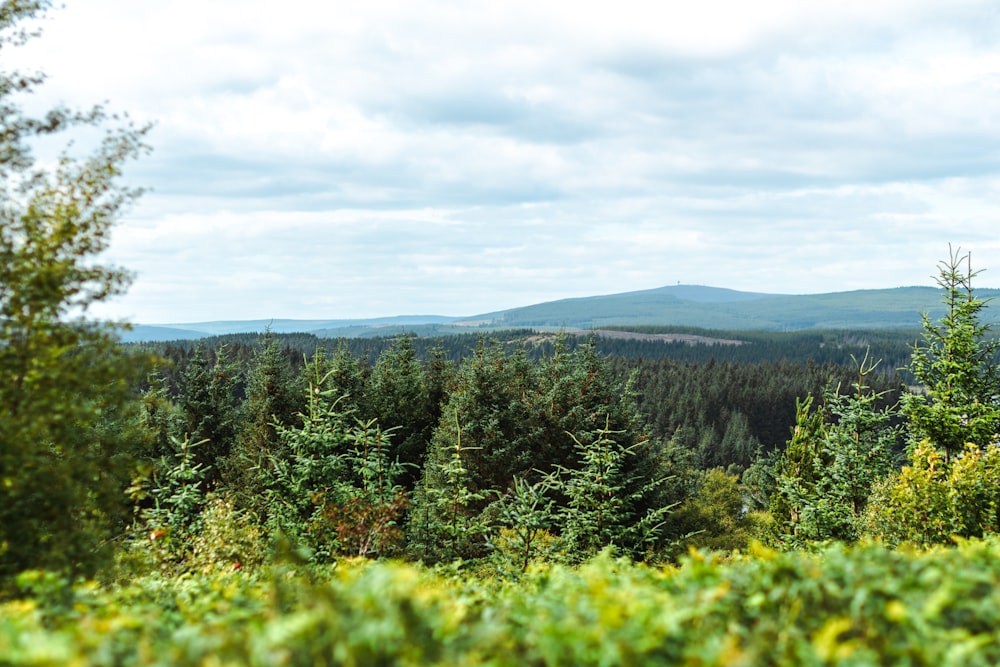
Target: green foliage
x=576, y=393
x=509, y=423
x=445, y=523
x=270, y=403
x=950, y=487
x=484, y=440
x=722, y=410
x=179, y=527
x=332, y=486
x=525, y=513
x=611, y=501
x=835, y=458
x=366, y=514
x=400, y=396
x=62, y=379
x=729, y=397
x=207, y=408
x=177, y=493
x=347, y=377
x=932, y=500
x=158, y=417
x=759, y=482
x=797, y=469
x=490, y=409
x=714, y=517
x=957, y=366
x=864, y=605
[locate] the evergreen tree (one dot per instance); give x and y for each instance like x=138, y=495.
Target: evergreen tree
x=576, y=393
x=834, y=460
x=799, y=467
x=207, y=406
x=175, y=493
x=347, y=377
x=158, y=417
x=490, y=409
x=951, y=485
x=957, y=368
x=736, y=449
x=332, y=486
x=486, y=437
x=609, y=497
x=399, y=399
x=446, y=522
x=524, y=515
x=271, y=401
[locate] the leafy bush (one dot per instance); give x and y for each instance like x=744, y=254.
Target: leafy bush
x=861, y=605
x=935, y=498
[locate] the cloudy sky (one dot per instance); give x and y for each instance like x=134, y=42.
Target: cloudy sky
x=366, y=158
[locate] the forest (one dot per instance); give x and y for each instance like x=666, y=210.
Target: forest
x=528, y=497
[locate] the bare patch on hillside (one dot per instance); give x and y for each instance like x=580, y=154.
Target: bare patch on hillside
x=690, y=339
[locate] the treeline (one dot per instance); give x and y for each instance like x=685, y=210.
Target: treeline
x=502, y=452
x=893, y=347
x=724, y=411
x=727, y=413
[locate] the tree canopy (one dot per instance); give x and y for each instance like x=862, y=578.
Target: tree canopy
x=63, y=382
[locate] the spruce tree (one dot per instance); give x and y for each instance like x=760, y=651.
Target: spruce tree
x=271, y=401
x=612, y=498
x=491, y=411
x=207, y=407
x=398, y=395
x=957, y=368
x=836, y=456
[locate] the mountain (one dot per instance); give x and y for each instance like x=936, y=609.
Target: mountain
x=675, y=305
x=714, y=308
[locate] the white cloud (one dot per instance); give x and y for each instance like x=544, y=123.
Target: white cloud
x=343, y=159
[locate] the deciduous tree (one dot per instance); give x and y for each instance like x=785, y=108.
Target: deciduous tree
x=62, y=476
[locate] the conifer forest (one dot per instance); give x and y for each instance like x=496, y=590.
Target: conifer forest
x=516, y=497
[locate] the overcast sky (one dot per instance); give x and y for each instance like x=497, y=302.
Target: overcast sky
x=359, y=159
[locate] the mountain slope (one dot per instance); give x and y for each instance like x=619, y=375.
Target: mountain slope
x=712, y=308
x=675, y=305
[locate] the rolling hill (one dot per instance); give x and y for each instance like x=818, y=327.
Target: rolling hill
x=678, y=305
x=714, y=308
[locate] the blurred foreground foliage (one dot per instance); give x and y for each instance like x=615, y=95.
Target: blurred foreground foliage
x=839, y=605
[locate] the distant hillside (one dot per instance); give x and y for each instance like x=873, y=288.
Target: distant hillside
x=677, y=305
x=322, y=328
x=712, y=308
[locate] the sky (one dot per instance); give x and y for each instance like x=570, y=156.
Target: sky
x=358, y=159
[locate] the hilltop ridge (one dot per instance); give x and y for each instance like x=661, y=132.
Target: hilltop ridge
x=681, y=305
